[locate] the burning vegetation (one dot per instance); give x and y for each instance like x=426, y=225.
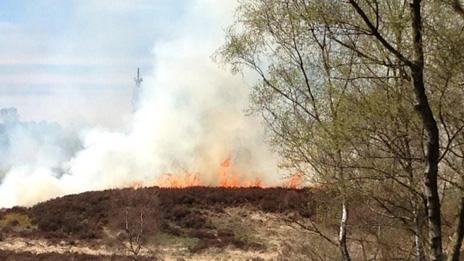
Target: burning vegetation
x=225, y=177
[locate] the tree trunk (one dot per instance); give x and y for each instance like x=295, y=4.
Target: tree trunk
x=458, y=235
x=456, y=242
x=342, y=236
x=418, y=236
x=432, y=141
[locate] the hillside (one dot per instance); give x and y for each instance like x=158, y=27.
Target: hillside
x=197, y=223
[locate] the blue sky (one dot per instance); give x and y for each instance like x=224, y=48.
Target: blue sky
x=62, y=59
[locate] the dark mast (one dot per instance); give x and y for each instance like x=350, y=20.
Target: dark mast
x=138, y=80
x=137, y=91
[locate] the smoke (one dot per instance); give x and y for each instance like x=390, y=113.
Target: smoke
x=191, y=118
x=30, y=156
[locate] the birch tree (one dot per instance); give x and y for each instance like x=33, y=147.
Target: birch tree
x=327, y=67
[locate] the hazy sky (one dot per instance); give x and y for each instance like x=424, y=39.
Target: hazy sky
x=74, y=60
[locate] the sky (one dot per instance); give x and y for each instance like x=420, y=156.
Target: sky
x=73, y=61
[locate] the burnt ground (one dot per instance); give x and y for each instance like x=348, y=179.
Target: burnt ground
x=191, y=217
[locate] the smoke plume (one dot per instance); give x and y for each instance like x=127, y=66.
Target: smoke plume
x=191, y=119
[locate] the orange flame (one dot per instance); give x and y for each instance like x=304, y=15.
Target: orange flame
x=230, y=179
x=174, y=181
x=227, y=177
x=295, y=180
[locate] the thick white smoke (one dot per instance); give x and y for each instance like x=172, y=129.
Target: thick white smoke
x=191, y=118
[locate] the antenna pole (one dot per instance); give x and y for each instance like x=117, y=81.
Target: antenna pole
x=138, y=80
x=137, y=91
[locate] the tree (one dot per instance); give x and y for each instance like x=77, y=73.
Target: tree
x=138, y=222
x=323, y=64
